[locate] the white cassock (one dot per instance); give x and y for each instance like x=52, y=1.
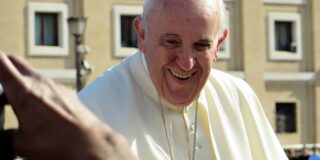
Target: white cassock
x=231, y=122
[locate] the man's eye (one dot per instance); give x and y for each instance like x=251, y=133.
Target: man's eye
x=202, y=47
x=172, y=41
x=171, y=44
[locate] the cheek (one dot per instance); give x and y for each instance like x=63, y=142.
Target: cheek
x=157, y=60
x=163, y=57
x=205, y=61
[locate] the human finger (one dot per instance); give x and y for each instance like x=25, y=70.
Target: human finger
x=21, y=66
x=10, y=77
x=14, y=84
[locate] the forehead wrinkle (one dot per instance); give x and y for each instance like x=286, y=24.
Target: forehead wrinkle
x=197, y=8
x=166, y=3
x=209, y=6
x=169, y=34
x=208, y=9
x=150, y=6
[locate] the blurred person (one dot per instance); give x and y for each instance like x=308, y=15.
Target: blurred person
x=316, y=155
x=291, y=154
x=168, y=101
x=305, y=155
x=53, y=123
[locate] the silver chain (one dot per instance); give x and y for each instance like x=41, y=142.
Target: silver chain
x=166, y=131
x=165, y=128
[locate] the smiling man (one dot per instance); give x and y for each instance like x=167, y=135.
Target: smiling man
x=179, y=46
x=169, y=102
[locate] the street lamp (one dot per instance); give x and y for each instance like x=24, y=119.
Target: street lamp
x=77, y=26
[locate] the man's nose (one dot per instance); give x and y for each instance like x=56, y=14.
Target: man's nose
x=186, y=60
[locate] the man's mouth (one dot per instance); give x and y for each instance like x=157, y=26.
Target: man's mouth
x=181, y=76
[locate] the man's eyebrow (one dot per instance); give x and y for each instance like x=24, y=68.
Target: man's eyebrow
x=169, y=34
x=205, y=41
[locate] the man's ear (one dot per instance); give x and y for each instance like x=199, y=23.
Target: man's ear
x=220, y=41
x=140, y=33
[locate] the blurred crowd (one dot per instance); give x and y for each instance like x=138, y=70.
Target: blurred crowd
x=303, y=154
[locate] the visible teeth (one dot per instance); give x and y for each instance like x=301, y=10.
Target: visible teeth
x=179, y=75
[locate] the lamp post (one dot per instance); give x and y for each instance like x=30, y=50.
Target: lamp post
x=77, y=27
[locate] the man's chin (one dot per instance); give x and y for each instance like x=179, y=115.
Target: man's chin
x=179, y=102
x=179, y=97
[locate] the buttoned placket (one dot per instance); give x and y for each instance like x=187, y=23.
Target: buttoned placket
x=202, y=142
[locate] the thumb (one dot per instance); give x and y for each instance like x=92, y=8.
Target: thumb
x=6, y=144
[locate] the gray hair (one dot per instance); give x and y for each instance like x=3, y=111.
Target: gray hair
x=149, y=3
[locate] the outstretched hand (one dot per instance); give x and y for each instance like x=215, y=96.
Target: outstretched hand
x=53, y=123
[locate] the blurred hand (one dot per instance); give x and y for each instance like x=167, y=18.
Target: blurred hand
x=53, y=123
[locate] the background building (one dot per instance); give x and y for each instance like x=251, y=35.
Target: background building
x=272, y=45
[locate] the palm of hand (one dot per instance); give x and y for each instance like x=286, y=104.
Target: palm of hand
x=53, y=123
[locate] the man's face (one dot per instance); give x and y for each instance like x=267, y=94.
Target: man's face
x=180, y=44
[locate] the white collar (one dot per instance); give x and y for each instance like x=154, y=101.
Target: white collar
x=144, y=62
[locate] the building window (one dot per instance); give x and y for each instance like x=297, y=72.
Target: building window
x=125, y=38
x=286, y=118
x=285, y=36
x=128, y=34
x=47, y=29
x=224, y=50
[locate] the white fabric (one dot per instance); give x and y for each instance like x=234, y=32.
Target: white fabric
x=232, y=124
